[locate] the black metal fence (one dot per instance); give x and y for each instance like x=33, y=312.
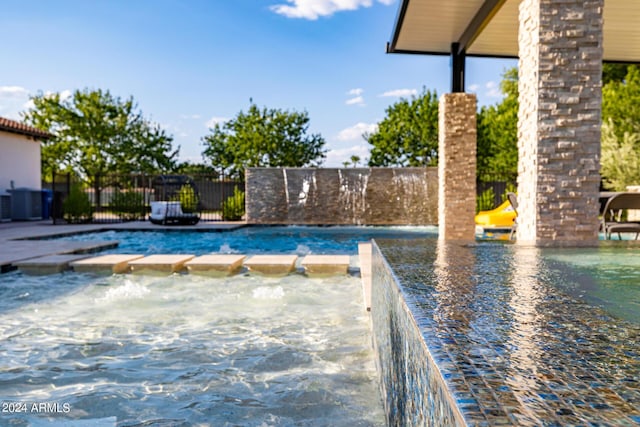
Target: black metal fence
x=492, y=189
x=119, y=198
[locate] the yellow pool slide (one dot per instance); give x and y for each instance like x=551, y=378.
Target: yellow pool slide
x=501, y=217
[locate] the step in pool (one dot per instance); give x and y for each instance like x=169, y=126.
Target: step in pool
x=214, y=264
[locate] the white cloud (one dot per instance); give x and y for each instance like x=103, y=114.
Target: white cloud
x=190, y=116
x=28, y=105
x=474, y=88
x=400, y=93
x=213, y=121
x=13, y=99
x=64, y=95
x=337, y=157
x=493, y=90
x=313, y=9
x=358, y=100
x=13, y=92
x=354, y=133
x=356, y=97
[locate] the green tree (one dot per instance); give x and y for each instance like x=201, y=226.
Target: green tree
x=620, y=140
x=615, y=72
x=498, y=130
x=621, y=103
x=620, y=158
x=233, y=207
x=263, y=138
x=189, y=168
x=96, y=133
x=408, y=135
x=77, y=207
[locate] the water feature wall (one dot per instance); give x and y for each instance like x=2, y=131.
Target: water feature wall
x=413, y=389
x=349, y=196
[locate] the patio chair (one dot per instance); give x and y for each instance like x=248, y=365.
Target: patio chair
x=513, y=200
x=613, y=220
x=170, y=213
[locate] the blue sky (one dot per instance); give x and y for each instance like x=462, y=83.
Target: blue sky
x=190, y=63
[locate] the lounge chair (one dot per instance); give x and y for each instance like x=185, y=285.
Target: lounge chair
x=170, y=213
x=612, y=217
x=513, y=200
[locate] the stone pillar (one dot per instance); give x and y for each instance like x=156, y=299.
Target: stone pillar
x=457, y=167
x=560, y=94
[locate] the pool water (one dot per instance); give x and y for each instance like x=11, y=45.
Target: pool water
x=607, y=277
x=298, y=240
x=188, y=350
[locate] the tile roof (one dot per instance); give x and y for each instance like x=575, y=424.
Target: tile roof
x=13, y=126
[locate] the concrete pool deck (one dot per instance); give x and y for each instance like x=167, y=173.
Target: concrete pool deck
x=16, y=246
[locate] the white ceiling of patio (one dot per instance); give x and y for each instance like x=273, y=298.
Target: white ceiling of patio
x=430, y=26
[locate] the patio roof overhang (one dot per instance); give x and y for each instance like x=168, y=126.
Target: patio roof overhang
x=489, y=28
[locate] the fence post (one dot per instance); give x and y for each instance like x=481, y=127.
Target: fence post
x=54, y=203
x=96, y=192
x=144, y=196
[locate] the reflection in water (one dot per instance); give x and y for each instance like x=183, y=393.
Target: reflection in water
x=512, y=345
x=523, y=360
x=455, y=283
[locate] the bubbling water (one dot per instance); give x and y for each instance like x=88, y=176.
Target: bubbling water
x=189, y=350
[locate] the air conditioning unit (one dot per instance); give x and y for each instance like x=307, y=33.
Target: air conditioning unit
x=26, y=204
x=5, y=207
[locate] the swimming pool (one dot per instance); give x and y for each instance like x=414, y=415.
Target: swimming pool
x=518, y=335
x=299, y=240
x=601, y=277
x=187, y=350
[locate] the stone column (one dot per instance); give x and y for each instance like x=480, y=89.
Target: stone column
x=457, y=167
x=560, y=93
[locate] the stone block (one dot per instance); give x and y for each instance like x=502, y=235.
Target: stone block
x=273, y=265
x=109, y=264
x=215, y=264
x=319, y=265
x=160, y=264
x=50, y=264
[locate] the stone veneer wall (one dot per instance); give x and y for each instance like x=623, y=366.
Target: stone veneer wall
x=457, y=166
x=413, y=390
x=353, y=196
x=559, y=120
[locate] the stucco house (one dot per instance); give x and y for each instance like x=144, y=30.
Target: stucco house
x=20, y=155
x=20, y=169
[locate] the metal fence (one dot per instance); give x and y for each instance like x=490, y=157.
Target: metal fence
x=119, y=198
x=492, y=189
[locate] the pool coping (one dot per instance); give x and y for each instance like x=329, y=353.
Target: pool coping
x=22, y=241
